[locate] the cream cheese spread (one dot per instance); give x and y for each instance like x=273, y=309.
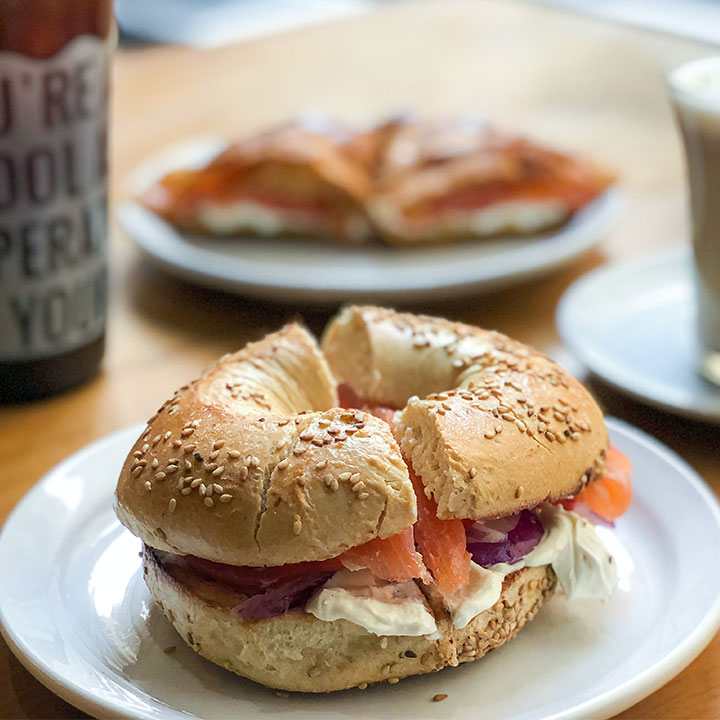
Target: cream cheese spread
x=582, y=563
x=521, y=216
x=233, y=217
x=381, y=607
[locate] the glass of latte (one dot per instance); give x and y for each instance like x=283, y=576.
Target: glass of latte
x=695, y=92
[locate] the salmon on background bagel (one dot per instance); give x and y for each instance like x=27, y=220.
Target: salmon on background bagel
x=401, y=501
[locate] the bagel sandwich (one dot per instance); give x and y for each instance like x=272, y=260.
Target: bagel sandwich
x=402, y=498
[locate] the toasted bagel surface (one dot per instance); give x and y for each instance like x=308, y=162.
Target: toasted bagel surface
x=489, y=424
x=296, y=651
x=253, y=464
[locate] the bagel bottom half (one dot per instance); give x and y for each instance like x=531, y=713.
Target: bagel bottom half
x=300, y=653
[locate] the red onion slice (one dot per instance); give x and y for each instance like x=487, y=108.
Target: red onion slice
x=518, y=542
x=282, y=597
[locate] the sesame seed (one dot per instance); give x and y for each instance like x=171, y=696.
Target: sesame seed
x=439, y=697
x=243, y=473
x=194, y=483
x=508, y=417
x=519, y=491
x=187, y=432
x=137, y=454
x=362, y=686
x=307, y=435
x=189, y=448
x=490, y=434
x=148, y=485
x=171, y=468
x=317, y=441
x=358, y=486
x=498, y=428
x=345, y=476
x=136, y=470
x=172, y=504
x=202, y=489
x=157, y=439
x=283, y=464
x=209, y=502
x=363, y=496
x=167, y=435
x=299, y=450
x=234, y=454
x=218, y=444
x=186, y=491
x=213, y=454
x=297, y=525
x=218, y=471
x=320, y=465
x=281, y=444
x=154, y=464
x=160, y=475
x=393, y=680
x=473, y=472
x=226, y=498
x=549, y=435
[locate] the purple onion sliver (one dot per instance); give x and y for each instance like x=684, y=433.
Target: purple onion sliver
x=492, y=531
x=523, y=538
x=282, y=597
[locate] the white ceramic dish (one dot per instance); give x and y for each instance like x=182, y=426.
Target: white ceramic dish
x=305, y=271
x=74, y=609
x=633, y=325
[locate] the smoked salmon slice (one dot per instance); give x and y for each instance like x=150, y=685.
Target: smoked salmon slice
x=442, y=543
x=394, y=558
x=610, y=496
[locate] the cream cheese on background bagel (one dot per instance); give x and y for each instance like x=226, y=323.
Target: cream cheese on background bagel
x=254, y=465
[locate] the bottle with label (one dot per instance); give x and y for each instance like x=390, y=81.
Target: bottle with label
x=54, y=87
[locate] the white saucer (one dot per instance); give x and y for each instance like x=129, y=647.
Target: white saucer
x=633, y=325
x=75, y=610
x=306, y=271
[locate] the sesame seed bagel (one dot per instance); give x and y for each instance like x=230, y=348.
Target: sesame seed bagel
x=489, y=424
x=254, y=464
x=298, y=652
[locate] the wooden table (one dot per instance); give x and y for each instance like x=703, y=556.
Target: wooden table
x=580, y=83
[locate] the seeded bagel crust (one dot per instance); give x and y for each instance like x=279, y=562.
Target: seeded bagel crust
x=254, y=464
x=300, y=653
x=490, y=425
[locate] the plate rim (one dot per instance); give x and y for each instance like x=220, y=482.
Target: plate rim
x=607, y=704
x=603, y=370
x=592, y=225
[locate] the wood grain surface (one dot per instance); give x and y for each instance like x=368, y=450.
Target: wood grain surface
x=580, y=83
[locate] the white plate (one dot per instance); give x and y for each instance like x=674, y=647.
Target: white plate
x=313, y=272
x=633, y=325
x=75, y=610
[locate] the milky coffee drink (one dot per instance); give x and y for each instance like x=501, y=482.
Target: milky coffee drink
x=695, y=90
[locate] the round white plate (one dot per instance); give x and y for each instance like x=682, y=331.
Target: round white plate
x=75, y=610
x=633, y=325
x=306, y=271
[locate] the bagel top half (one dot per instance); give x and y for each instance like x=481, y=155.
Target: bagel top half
x=254, y=464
